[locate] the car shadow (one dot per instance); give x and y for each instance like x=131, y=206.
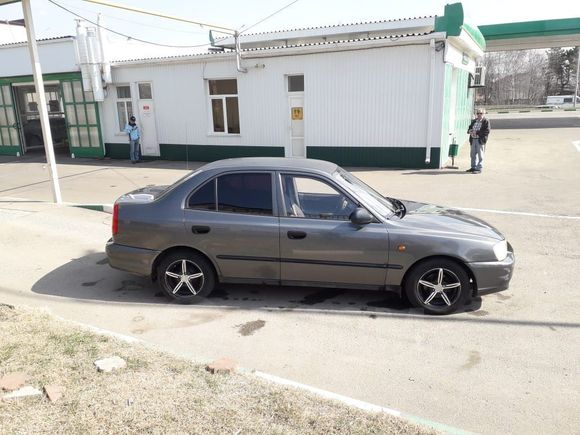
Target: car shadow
x=90, y=278
x=438, y=172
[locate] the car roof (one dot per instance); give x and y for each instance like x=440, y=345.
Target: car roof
x=273, y=163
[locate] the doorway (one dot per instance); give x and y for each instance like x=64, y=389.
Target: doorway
x=296, y=105
x=26, y=104
x=149, y=143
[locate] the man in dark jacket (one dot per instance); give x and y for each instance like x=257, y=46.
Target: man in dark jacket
x=478, y=132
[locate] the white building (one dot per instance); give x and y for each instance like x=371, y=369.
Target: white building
x=383, y=94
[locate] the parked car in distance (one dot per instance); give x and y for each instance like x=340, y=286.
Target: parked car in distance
x=286, y=221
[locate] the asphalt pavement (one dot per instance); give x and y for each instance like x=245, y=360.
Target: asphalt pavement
x=509, y=363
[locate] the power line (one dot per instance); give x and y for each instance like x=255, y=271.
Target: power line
x=139, y=23
x=269, y=16
x=125, y=35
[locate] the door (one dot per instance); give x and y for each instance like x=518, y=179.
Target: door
x=231, y=219
x=149, y=144
x=82, y=120
x=319, y=244
x=10, y=141
x=296, y=103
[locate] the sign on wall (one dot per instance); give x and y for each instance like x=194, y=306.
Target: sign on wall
x=297, y=114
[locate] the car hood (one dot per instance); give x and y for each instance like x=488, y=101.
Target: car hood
x=438, y=218
x=145, y=194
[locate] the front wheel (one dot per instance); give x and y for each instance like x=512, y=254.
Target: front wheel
x=186, y=277
x=439, y=286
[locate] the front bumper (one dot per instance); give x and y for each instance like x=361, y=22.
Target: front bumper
x=129, y=259
x=493, y=276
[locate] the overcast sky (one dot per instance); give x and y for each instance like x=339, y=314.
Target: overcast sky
x=50, y=21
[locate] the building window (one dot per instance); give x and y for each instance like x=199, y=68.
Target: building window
x=124, y=106
x=145, y=91
x=296, y=83
x=223, y=96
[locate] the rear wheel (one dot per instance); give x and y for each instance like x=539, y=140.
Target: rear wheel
x=439, y=286
x=186, y=277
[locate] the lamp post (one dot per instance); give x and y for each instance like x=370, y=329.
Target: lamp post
x=39, y=85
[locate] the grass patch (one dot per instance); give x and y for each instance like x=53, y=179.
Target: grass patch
x=155, y=393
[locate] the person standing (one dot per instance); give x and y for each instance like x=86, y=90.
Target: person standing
x=134, y=136
x=478, y=132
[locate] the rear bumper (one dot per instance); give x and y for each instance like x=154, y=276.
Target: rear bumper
x=129, y=259
x=493, y=276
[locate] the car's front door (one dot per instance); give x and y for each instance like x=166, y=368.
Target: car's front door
x=319, y=244
x=231, y=219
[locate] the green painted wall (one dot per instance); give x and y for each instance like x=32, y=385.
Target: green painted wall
x=391, y=157
x=198, y=153
x=398, y=157
x=463, y=108
x=446, y=110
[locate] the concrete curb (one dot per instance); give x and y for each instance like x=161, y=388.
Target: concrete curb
x=106, y=208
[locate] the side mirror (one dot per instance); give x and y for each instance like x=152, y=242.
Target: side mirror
x=361, y=217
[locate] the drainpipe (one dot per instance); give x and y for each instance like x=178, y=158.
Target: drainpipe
x=239, y=54
x=431, y=102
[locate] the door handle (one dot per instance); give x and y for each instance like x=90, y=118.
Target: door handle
x=199, y=229
x=296, y=235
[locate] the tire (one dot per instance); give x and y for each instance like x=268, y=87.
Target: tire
x=186, y=277
x=439, y=286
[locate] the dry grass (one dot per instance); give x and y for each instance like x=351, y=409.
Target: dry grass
x=156, y=393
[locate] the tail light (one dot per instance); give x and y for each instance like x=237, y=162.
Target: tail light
x=115, y=226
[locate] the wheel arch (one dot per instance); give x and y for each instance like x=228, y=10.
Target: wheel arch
x=456, y=260
x=173, y=249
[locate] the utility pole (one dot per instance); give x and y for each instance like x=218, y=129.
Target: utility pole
x=577, y=70
x=42, y=110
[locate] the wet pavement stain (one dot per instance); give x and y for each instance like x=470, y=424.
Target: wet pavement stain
x=478, y=313
x=502, y=297
x=392, y=303
x=129, y=285
x=474, y=359
x=250, y=327
x=91, y=284
x=319, y=297
x=103, y=261
x=218, y=293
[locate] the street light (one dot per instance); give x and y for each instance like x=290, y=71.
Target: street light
x=39, y=85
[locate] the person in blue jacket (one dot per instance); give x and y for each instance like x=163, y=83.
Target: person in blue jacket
x=134, y=137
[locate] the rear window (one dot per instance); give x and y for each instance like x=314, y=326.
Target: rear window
x=245, y=193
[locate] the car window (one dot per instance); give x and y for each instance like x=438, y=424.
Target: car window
x=247, y=193
x=311, y=198
x=204, y=197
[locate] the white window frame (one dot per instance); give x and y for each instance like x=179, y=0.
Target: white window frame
x=124, y=101
x=221, y=97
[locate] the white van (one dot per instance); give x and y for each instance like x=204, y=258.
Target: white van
x=561, y=100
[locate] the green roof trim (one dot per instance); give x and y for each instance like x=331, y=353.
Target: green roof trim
x=452, y=24
x=565, y=26
x=475, y=34
x=451, y=21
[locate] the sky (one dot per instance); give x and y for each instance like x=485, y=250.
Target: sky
x=51, y=21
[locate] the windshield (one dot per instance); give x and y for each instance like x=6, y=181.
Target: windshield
x=366, y=193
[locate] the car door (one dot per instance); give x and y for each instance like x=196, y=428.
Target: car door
x=318, y=243
x=231, y=218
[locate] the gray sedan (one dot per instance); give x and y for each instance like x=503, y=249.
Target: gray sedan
x=302, y=222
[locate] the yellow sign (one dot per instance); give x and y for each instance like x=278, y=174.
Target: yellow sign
x=297, y=114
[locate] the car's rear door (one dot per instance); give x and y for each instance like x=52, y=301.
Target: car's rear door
x=318, y=243
x=232, y=219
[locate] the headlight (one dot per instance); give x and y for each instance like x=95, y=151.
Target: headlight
x=500, y=250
